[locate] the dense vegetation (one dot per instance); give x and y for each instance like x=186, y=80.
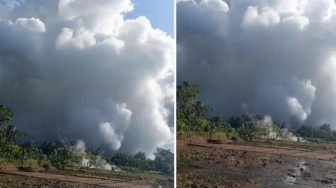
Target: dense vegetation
x=322, y=132
x=193, y=118
x=59, y=154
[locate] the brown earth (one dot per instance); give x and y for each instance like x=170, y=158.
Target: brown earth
x=200, y=164
x=18, y=179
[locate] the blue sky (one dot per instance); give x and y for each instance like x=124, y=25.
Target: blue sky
x=11, y=3
x=159, y=12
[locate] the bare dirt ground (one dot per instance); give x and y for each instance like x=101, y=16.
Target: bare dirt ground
x=18, y=179
x=200, y=164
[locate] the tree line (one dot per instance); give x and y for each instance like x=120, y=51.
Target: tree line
x=59, y=155
x=193, y=118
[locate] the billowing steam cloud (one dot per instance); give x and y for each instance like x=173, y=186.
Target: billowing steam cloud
x=77, y=69
x=275, y=57
x=97, y=162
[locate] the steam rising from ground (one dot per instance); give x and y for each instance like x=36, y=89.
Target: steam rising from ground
x=282, y=134
x=275, y=57
x=98, y=162
x=79, y=70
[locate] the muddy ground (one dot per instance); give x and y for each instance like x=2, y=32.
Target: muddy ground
x=20, y=179
x=201, y=164
x=15, y=181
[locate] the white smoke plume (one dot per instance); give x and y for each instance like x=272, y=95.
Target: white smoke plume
x=98, y=162
x=282, y=134
x=79, y=147
x=78, y=69
x=101, y=163
x=287, y=135
x=276, y=57
x=265, y=121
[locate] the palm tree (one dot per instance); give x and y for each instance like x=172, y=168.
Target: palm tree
x=11, y=134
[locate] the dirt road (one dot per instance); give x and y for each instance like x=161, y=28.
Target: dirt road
x=89, y=182
x=276, y=151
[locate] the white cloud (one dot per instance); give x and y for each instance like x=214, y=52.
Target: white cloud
x=272, y=56
x=32, y=24
x=77, y=69
x=266, y=17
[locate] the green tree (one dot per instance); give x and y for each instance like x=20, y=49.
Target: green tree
x=325, y=127
x=211, y=129
x=217, y=125
x=6, y=115
x=11, y=135
x=186, y=95
x=199, y=112
x=181, y=127
x=247, y=130
x=8, y=133
x=121, y=159
x=87, y=159
x=14, y=151
x=30, y=151
x=203, y=124
x=140, y=155
x=164, y=161
x=61, y=158
x=235, y=122
x=49, y=147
